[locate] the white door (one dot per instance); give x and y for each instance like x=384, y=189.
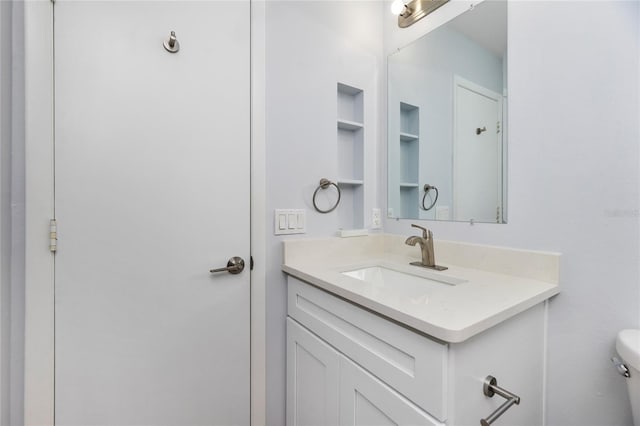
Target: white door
x=151, y=192
x=477, y=153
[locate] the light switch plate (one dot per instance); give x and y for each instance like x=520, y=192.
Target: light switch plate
x=289, y=221
x=442, y=212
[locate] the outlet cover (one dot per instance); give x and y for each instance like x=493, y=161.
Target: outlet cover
x=376, y=218
x=442, y=213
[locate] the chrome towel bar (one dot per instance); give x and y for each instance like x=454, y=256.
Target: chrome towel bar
x=491, y=388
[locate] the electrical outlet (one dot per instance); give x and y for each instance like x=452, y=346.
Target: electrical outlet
x=376, y=218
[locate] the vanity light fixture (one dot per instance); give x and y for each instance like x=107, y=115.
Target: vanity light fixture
x=398, y=7
x=414, y=10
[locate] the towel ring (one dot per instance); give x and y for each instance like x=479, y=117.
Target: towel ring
x=427, y=187
x=324, y=184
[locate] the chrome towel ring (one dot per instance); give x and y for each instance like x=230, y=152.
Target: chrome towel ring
x=428, y=187
x=324, y=184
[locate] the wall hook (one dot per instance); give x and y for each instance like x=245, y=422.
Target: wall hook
x=171, y=44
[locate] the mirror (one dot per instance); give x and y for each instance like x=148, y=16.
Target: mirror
x=447, y=110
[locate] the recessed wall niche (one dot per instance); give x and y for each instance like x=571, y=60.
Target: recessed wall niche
x=350, y=138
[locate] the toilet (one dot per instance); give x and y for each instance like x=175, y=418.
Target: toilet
x=628, y=347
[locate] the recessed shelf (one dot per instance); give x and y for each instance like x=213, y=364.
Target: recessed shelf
x=350, y=151
x=409, y=118
x=352, y=182
x=351, y=126
x=408, y=137
x=409, y=160
x=409, y=202
x=350, y=103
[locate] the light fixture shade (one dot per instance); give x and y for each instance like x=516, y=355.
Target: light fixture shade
x=397, y=7
x=418, y=9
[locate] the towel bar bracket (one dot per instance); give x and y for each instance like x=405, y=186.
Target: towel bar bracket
x=489, y=388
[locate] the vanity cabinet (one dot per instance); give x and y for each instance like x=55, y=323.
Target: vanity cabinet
x=347, y=365
x=324, y=387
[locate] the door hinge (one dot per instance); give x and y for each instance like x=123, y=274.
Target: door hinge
x=251, y=263
x=498, y=214
x=53, y=235
x=498, y=127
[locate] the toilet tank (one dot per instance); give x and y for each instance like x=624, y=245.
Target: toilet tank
x=628, y=347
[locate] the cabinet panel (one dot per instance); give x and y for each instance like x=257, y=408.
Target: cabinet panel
x=366, y=401
x=512, y=352
x=411, y=363
x=312, y=379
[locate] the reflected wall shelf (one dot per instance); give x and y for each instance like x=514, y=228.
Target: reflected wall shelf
x=350, y=128
x=353, y=182
x=409, y=139
x=349, y=125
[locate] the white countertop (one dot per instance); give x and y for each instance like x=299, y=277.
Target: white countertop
x=451, y=313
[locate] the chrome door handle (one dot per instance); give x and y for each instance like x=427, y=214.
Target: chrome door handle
x=235, y=265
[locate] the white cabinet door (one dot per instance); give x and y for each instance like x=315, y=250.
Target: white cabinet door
x=312, y=379
x=366, y=401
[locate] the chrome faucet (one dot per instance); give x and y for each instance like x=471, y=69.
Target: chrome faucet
x=426, y=248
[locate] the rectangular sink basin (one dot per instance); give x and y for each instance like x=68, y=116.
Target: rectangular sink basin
x=381, y=276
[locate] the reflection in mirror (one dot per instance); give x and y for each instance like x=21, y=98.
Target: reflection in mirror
x=447, y=110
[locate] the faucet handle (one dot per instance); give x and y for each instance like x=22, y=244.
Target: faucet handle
x=425, y=231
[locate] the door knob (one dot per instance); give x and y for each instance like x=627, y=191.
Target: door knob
x=235, y=265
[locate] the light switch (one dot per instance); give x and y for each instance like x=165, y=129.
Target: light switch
x=293, y=220
x=289, y=221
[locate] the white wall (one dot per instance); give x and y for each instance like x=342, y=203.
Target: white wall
x=573, y=186
x=310, y=46
x=12, y=209
x=5, y=212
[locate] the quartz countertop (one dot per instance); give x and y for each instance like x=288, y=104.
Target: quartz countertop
x=491, y=292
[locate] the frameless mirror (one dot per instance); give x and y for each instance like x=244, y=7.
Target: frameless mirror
x=447, y=110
